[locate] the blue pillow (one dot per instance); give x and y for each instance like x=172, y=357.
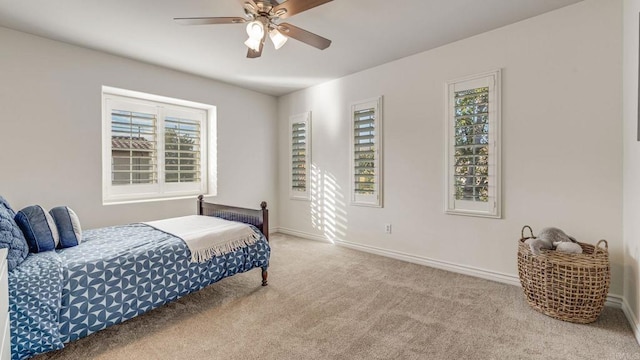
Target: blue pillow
x=11, y=236
x=38, y=228
x=68, y=226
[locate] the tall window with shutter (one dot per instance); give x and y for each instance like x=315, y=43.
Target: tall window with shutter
x=300, y=156
x=473, y=146
x=153, y=150
x=366, y=152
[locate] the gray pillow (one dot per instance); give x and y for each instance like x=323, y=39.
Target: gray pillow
x=11, y=237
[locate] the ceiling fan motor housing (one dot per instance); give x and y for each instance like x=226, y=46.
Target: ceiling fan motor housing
x=264, y=9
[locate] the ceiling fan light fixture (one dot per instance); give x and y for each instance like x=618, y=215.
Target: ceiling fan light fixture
x=277, y=38
x=253, y=44
x=255, y=30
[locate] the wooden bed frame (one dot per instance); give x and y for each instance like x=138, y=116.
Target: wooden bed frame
x=257, y=218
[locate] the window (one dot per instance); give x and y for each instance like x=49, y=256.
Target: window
x=366, y=152
x=300, y=155
x=155, y=147
x=473, y=146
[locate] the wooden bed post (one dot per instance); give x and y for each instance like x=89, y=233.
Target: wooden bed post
x=200, y=200
x=265, y=231
x=265, y=219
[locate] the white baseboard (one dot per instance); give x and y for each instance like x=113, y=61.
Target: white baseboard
x=304, y=235
x=613, y=300
x=438, y=264
x=631, y=318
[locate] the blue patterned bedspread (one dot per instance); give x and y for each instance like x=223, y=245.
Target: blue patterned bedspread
x=115, y=274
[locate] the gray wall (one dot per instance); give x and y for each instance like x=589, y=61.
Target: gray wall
x=50, y=130
x=561, y=149
x=631, y=203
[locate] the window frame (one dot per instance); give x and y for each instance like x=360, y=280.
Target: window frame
x=375, y=199
x=162, y=107
x=304, y=118
x=492, y=208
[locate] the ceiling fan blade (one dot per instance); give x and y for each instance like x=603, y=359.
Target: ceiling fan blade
x=292, y=7
x=252, y=54
x=250, y=7
x=306, y=37
x=209, y=20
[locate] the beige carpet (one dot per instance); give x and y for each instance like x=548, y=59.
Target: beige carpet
x=329, y=302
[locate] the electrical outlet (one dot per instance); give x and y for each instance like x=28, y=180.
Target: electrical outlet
x=387, y=228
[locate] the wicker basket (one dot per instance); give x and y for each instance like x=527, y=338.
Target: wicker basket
x=569, y=287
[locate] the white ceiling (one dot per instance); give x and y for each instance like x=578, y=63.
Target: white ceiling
x=365, y=33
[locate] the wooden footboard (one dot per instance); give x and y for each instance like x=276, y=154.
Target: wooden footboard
x=257, y=218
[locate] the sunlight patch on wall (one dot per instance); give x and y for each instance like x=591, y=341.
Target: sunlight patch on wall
x=316, y=197
x=328, y=206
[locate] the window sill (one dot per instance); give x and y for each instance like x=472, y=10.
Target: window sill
x=139, y=201
x=473, y=213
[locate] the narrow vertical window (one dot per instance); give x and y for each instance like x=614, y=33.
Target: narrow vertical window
x=365, y=153
x=300, y=155
x=473, y=145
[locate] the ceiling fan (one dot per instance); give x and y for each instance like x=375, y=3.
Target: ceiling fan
x=262, y=17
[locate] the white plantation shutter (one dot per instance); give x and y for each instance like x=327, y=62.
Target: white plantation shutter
x=473, y=146
x=366, y=146
x=182, y=150
x=152, y=150
x=364, y=151
x=300, y=156
x=133, y=148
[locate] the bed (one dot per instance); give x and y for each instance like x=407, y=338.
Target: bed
x=115, y=274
